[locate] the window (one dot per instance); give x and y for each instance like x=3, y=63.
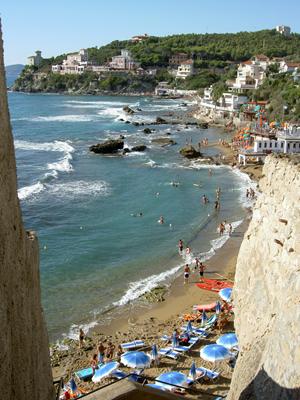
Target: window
x=282, y=145
x=288, y=145
x=275, y=144
x=294, y=145
x=270, y=144
x=259, y=144
x=265, y=144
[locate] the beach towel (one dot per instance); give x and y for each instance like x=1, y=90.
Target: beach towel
x=214, y=285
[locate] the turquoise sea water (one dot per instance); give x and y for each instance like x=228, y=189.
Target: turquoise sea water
x=94, y=253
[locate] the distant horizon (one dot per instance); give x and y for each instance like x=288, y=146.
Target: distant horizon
x=57, y=28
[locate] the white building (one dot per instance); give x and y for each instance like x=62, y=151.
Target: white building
x=185, y=69
x=250, y=75
x=286, y=66
x=123, y=61
x=284, y=30
x=35, y=60
x=228, y=102
x=285, y=141
x=75, y=63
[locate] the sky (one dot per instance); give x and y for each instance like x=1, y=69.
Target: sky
x=62, y=26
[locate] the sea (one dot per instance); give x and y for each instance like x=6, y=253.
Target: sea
x=97, y=254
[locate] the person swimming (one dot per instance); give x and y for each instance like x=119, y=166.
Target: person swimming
x=161, y=220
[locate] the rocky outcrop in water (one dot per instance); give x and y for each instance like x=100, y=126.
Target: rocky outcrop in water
x=128, y=110
x=190, y=152
x=140, y=147
x=267, y=287
x=163, y=141
x=108, y=147
x=24, y=362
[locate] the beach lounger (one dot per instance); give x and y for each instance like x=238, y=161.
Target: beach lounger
x=134, y=376
x=169, y=352
x=190, y=344
x=85, y=374
x=135, y=344
x=203, y=374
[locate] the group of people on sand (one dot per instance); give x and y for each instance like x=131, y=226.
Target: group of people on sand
x=103, y=353
x=250, y=193
x=224, y=227
x=198, y=265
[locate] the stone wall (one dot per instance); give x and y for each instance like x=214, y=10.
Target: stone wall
x=267, y=289
x=25, y=371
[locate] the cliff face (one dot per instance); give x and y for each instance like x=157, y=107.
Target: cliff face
x=267, y=290
x=24, y=356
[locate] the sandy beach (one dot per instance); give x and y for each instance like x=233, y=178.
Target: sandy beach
x=150, y=323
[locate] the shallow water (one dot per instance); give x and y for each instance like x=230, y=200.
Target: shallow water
x=94, y=253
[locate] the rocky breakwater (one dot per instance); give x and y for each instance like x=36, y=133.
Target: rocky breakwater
x=267, y=289
x=190, y=152
x=25, y=363
x=108, y=147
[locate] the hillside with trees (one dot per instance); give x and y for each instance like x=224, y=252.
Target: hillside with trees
x=215, y=56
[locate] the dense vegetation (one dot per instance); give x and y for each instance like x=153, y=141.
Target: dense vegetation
x=283, y=95
x=215, y=59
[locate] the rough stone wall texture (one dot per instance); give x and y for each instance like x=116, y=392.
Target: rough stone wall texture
x=267, y=289
x=25, y=371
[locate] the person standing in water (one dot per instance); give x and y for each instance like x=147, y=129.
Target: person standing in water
x=197, y=263
x=187, y=272
x=161, y=220
x=180, y=246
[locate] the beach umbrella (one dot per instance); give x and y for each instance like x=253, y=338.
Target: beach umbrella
x=228, y=340
x=214, y=352
x=136, y=359
x=73, y=385
x=154, y=353
x=218, y=307
x=225, y=294
x=174, y=340
x=203, y=318
x=193, y=373
x=189, y=327
x=104, y=371
x=167, y=379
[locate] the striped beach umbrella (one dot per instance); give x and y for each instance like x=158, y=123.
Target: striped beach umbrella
x=218, y=307
x=203, y=318
x=193, y=373
x=174, y=340
x=228, y=340
x=189, y=327
x=214, y=352
x=105, y=371
x=225, y=294
x=135, y=359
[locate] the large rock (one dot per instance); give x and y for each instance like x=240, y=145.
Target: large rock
x=190, y=152
x=160, y=120
x=24, y=356
x=147, y=131
x=266, y=291
x=108, y=147
x=140, y=147
x=128, y=110
x=163, y=141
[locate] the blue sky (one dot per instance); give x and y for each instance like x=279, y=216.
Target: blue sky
x=59, y=26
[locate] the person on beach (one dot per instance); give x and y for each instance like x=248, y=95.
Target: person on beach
x=217, y=205
x=221, y=229
x=94, y=363
x=161, y=220
x=180, y=246
x=197, y=263
x=187, y=250
x=187, y=272
x=229, y=229
x=101, y=352
x=202, y=268
x=119, y=352
x=110, y=350
x=218, y=193
x=81, y=338
x=205, y=199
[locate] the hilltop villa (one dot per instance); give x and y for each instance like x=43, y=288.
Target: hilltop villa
x=185, y=69
x=284, y=30
x=35, y=60
x=178, y=59
x=139, y=38
x=123, y=61
x=75, y=63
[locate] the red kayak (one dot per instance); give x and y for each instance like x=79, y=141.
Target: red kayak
x=214, y=285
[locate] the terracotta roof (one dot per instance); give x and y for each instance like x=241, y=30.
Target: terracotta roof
x=187, y=62
x=248, y=62
x=293, y=64
x=262, y=57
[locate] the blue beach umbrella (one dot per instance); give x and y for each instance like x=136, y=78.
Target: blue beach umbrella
x=214, y=352
x=218, y=307
x=73, y=385
x=189, y=327
x=167, y=379
x=225, y=294
x=203, y=318
x=105, y=371
x=174, y=340
x=136, y=359
x=193, y=373
x=228, y=340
